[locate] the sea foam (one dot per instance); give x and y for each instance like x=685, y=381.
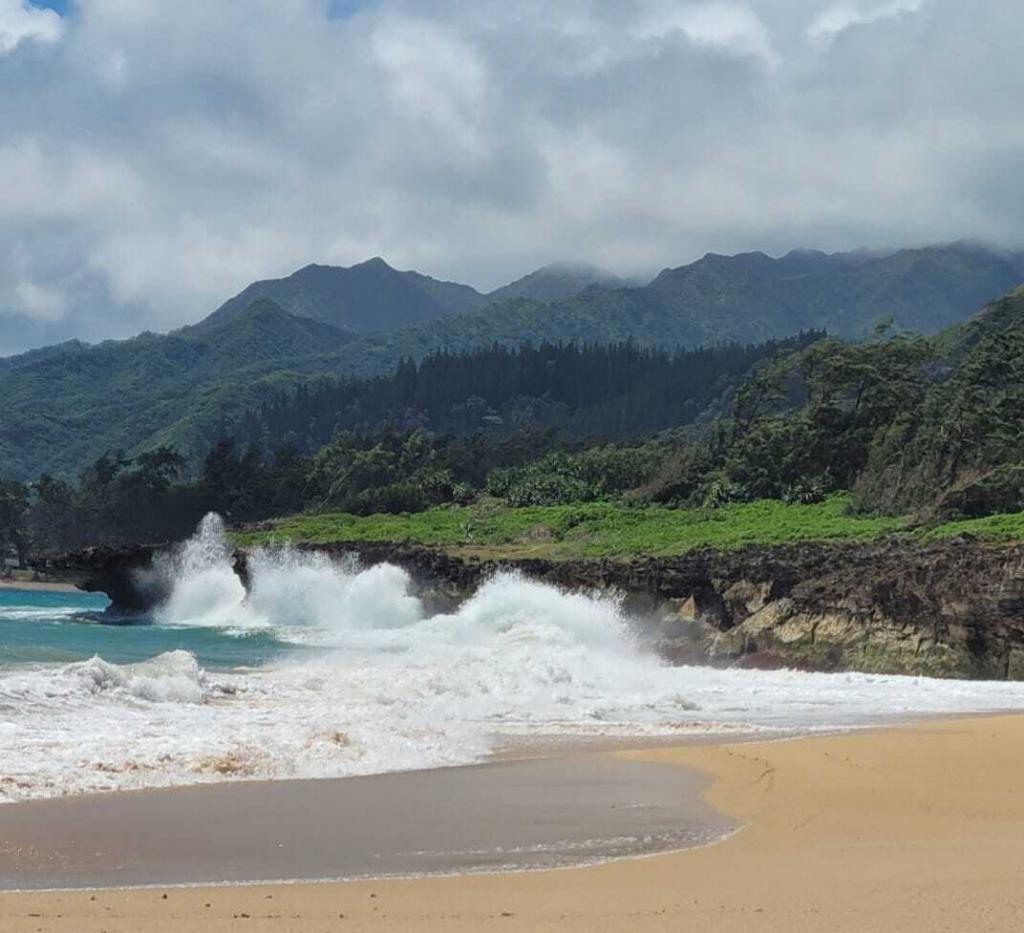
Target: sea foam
x=367, y=681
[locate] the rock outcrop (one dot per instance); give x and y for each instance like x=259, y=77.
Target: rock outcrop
x=126, y=574
x=949, y=609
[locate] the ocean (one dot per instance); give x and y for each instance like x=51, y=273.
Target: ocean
x=326, y=670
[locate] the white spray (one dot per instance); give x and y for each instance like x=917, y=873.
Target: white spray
x=373, y=684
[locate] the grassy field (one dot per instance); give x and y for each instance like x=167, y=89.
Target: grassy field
x=997, y=528
x=589, y=530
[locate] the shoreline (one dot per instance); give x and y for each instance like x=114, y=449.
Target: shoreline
x=904, y=828
x=39, y=586
x=504, y=815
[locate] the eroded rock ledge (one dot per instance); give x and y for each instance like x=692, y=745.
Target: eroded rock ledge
x=950, y=609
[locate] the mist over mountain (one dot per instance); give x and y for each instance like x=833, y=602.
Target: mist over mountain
x=66, y=405
x=555, y=282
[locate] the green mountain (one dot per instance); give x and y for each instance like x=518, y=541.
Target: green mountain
x=66, y=405
x=746, y=298
x=556, y=282
x=754, y=296
x=364, y=298
x=372, y=297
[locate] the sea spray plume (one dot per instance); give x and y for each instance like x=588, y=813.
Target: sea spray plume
x=288, y=588
x=301, y=589
x=509, y=605
x=200, y=579
x=293, y=589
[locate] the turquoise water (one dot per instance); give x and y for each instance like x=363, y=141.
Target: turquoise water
x=327, y=669
x=39, y=628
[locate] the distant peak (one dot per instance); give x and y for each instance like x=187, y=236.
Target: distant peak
x=376, y=263
x=805, y=253
x=556, y=281
x=370, y=265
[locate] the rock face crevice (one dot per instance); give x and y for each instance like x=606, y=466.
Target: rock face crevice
x=949, y=609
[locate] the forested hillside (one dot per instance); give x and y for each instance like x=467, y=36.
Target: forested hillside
x=922, y=429
x=921, y=290
x=612, y=391
x=64, y=406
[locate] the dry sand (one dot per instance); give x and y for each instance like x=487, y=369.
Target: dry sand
x=916, y=830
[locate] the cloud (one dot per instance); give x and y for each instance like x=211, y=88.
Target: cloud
x=20, y=21
x=40, y=301
x=156, y=157
x=732, y=27
x=841, y=16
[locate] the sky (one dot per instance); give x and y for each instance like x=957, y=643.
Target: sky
x=155, y=157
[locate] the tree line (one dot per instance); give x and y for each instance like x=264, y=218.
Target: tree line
x=903, y=424
x=606, y=392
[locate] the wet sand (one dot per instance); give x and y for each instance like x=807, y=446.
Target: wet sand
x=538, y=813
x=912, y=829
x=39, y=586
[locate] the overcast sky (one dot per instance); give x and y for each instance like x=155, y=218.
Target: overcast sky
x=156, y=156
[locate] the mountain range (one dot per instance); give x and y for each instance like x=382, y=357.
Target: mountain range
x=372, y=297
x=66, y=405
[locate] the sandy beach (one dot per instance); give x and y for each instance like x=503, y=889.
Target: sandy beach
x=918, y=828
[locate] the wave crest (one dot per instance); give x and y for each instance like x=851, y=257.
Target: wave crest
x=173, y=677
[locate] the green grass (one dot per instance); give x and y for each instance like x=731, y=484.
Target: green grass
x=996, y=528
x=587, y=530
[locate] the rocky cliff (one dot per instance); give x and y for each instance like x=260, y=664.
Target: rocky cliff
x=950, y=609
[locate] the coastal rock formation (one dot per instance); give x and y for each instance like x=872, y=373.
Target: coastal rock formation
x=948, y=609
x=125, y=574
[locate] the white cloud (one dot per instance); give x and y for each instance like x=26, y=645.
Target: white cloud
x=20, y=21
x=841, y=16
x=436, y=80
x=732, y=27
x=162, y=155
x=40, y=301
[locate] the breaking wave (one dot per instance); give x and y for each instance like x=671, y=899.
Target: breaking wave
x=367, y=681
x=174, y=677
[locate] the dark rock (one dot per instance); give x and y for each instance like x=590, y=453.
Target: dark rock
x=125, y=574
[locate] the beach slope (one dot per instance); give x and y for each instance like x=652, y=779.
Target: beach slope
x=918, y=828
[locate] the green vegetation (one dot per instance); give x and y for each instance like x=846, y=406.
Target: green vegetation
x=66, y=406
x=995, y=528
x=599, y=529
x=597, y=450
x=615, y=391
x=614, y=530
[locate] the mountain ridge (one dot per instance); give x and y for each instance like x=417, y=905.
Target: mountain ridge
x=67, y=404
x=556, y=282
x=375, y=297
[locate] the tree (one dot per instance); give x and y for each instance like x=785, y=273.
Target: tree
x=14, y=535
